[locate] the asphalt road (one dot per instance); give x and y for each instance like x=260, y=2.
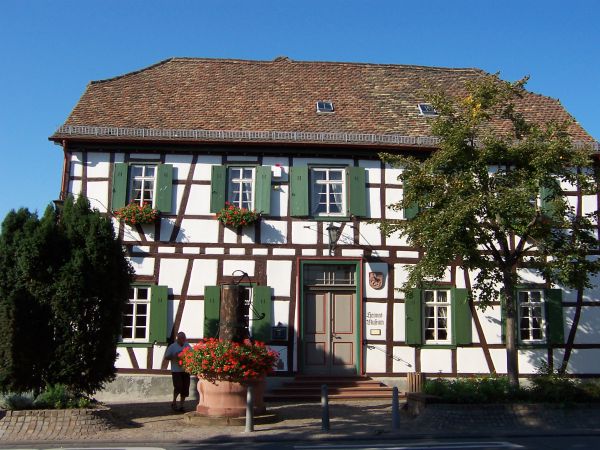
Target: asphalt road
x=583, y=442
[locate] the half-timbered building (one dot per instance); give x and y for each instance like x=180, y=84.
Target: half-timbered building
x=298, y=142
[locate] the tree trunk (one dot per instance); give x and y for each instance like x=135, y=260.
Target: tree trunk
x=510, y=313
x=572, y=331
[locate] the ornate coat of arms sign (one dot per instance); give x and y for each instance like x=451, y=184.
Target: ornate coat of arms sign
x=376, y=280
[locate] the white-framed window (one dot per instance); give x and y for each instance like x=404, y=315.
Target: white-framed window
x=531, y=316
x=136, y=321
x=328, y=191
x=240, y=184
x=142, y=183
x=436, y=316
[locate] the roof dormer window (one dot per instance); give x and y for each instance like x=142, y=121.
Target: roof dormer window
x=427, y=109
x=324, y=106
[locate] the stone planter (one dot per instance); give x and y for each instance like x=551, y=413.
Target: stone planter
x=228, y=399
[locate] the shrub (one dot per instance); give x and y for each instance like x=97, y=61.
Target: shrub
x=470, y=390
x=17, y=400
x=58, y=396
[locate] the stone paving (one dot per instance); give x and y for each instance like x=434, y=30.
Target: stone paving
x=154, y=422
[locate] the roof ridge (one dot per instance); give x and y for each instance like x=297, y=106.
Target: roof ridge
x=286, y=60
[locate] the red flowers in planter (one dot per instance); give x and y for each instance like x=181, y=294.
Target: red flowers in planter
x=134, y=213
x=216, y=359
x=233, y=216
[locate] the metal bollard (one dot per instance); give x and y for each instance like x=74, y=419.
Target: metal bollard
x=249, y=409
x=325, y=409
x=395, y=410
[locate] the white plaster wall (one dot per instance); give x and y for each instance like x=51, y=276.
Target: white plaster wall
x=181, y=165
x=172, y=306
x=346, y=236
x=584, y=361
x=149, y=231
x=499, y=359
x=373, y=203
x=248, y=235
x=204, y=165
x=490, y=321
x=229, y=235
x=119, y=157
x=145, y=156
x=142, y=248
x=400, y=277
x=369, y=235
x=242, y=158
x=471, y=360
x=590, y=205
x=530, y=360
x=393, y=196
x=123, y=359
x=376, y=312
x=230, y=266
x=279, y=277
x=376, y=267
x=198, y=230
x=158, y=355
x=141, y=265
x=279, y=201
x=281, y=309
x=199, y=200
x=399, y=322
x=588, y=330
x=396, y=240
x=436, y=360
x=392, y=174
x=530, y=276
x=404, y=359
x=282, y=162
x=309, y=252
x=192, y=320
x=97, y=194
x=375, y=358
x=141, y=356
x=334, y=161
x=98, y=165
x=273, y=232
x=172, y=273
x=304, y=233
x=75, y=187
x=166, y=228
x=76, y=166
x=372, y=169
x=407, y=254
x=204, y=273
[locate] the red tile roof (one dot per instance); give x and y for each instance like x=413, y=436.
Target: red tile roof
x=196, y=99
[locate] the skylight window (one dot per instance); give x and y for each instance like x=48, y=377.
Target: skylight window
x=324, y=106
x=427, y=109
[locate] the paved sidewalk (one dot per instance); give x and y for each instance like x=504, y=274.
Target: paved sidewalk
x=154, y=422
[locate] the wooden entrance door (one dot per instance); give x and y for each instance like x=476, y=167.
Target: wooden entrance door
x=330, y=331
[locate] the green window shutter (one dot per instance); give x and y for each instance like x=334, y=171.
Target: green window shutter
x=159, y=296
x=554, y=316
x=411, y=211
x=212, y=305
x=119, y=186
x=550, y=203
x=261, y=304
x=414, y=321
x=218, y=186
x=299, y=205
x=461, y=317
x=164, y=188
x=263, y=190
x=357, y=191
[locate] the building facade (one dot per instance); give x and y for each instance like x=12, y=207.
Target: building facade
x=298, y=142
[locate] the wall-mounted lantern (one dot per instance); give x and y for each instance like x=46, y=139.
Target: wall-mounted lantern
x=333, y=233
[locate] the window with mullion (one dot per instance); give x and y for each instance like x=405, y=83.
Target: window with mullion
x=328, y=191
x=142, y=184
x=436, y=304
x=531, y=316
x=136, y=320
x=241, y=187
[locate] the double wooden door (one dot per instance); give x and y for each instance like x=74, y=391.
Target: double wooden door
x=330, y=332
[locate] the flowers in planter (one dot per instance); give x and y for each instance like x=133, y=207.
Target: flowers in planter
x=219, y=360
x=234, y=216
x=134, y=213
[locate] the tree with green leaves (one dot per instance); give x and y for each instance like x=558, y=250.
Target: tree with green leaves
x=64, y=283
x=489, y=199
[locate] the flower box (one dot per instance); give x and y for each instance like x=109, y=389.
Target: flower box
x=136, y=214
x=235, y=217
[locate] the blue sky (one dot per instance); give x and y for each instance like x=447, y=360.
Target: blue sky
x=50, y=50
